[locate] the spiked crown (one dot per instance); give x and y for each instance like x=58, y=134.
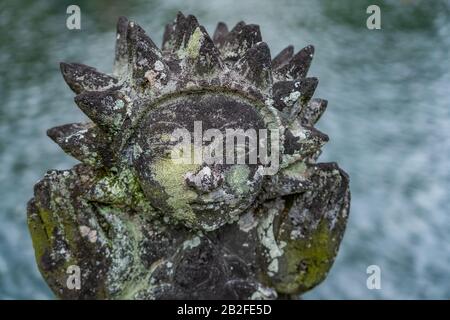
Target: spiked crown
x=189, y=60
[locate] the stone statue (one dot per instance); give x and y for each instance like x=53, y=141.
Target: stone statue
x=139, y=225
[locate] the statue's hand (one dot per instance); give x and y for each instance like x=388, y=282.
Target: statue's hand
x=82, y=247
x=308, y=225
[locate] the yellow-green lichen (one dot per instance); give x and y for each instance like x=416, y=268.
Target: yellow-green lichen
x=171, y=176
x=44, y=225
x=305, y=262
x=193, y=46
x=39, y=235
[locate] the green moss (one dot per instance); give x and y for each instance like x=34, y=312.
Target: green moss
x=42, y=227
x=39, y=236
x=48, y=222
x=306, y=262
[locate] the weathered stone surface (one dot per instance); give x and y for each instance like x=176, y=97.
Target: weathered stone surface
x=140, y=226
x=82, y=78
x=283, y=57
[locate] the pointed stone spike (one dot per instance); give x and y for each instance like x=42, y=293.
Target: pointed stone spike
x=298, y=66
x=145, y=59
x=311, y=113
x=121, y=56
x=286, y=94
x=107, y=109
x=283, y=57
x=83, y=141
x=230, y=42
x=178, y=33
x=255, y=66
x=220, y=34
x=300, y=63
x=169, y=37
x=250, y=34
x=166, y=36
x=201, y=53
x=239, y=40
x=304, y=141
x=237, y=28
x=189, y=26
x=306, y=86
x=315, y=136
x=82, y=78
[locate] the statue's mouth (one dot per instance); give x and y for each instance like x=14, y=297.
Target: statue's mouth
x=215, y=198
x=204, y=204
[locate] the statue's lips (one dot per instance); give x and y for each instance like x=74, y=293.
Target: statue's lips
x=215, y=198
x=204, y=203
x=208, y=204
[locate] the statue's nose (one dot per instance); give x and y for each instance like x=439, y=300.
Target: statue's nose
x=204, y=180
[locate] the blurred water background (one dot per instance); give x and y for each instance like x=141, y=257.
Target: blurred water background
x=388, y=118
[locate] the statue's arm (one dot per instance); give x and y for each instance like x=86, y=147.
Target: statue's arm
x=308, y=222
x=75, y=225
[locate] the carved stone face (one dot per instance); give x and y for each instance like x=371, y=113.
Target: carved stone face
x=201, y=193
